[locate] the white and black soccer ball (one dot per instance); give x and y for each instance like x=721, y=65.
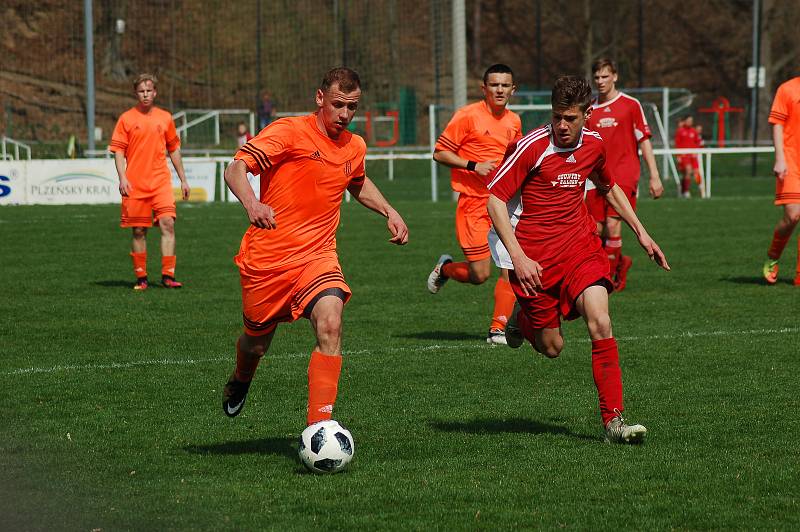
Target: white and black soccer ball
x=326, y=447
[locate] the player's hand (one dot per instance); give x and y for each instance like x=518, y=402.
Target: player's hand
x=484, y=168
x=656, y=188
x=262, y=216
x=653, y=251
x=124, y=186
x=398, y=228
x=780, y=170
x=185, y=190
x=529, y=273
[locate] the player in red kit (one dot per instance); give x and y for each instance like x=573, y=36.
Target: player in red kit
x=560, y=268
x=620, y=120
x=687, y=136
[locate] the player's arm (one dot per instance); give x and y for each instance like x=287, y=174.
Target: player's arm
x=177, y=162
x=124, y=184
x=527, y=270
x=370, y=197
x=780, y=169
x=656, y=187
x=451, y=159
x=616, y=197
x=260, y=215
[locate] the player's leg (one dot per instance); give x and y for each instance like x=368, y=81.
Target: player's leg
x=504, y=300
x=619, y=264
x=780, y=237
x=536, y=319
x=592, y=304
x=685, y=166
x=165, y=212
x=139, y=256
x=249, y=352
x=325, y=365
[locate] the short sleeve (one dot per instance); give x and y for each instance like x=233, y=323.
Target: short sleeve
x=505, y=180
x=455, y=133
x=119, y=139
x=173, y=140
x=640, y=127
x=268, y=148
x=779, y=114
x=360, y=171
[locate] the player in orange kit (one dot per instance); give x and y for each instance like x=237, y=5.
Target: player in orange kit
x=785, y=119
x=287, y=261
x=473, y=144
x=141, y=137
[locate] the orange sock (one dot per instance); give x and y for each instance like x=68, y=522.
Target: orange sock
x=246, y=365
x=139, y=264
x=778, y=243
x=697, y=177
x=504, y=300
x=323, y=383
x=458, y=271
x=168, y=266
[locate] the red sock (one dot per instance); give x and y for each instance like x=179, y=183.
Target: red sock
x=504, y=300
x=246, y=365
x=458, y=271
x=778, y=243
x=323, y=383
x=139, y=263
x=607, y=377
x=168, y=266
x=613, y=248
x=684, y=185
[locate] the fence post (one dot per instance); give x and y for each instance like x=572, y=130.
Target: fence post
x=432, y=135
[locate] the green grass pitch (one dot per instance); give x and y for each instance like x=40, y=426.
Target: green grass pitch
x=111, y=411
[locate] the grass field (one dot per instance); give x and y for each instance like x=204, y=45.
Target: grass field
x=112, y=413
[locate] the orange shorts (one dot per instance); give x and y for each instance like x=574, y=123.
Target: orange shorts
x=472, y=227
x=140, y=212
x=271, y=297
x=787, y=190
x=600, y=209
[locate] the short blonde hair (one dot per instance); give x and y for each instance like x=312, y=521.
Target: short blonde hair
x=144, y=77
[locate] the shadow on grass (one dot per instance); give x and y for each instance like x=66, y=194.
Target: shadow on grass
x=514, y=425
x=115, y=284
x=757, y=280
x=441, y=335
x=279, y=445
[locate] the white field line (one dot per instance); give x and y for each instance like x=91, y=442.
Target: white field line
x=433, y=347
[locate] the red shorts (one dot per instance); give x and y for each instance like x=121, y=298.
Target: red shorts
x=563, y=283
x=688, y=160
x=270, y=297
x=140, y=212
x=472, y=227
x=600, y=209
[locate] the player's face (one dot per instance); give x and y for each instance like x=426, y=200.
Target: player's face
x=146, y=94
x=689, y=122
x=498, y=89
x=605, y=80
x=567, y=125
x=336, y=109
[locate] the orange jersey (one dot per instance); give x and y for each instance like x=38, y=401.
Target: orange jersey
x=475, y=134
x=304, y=174
x=786, y=112
x=144, y=139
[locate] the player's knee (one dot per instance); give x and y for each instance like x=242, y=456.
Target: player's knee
x=600, y=326
x=252, y=346
x=329, y=326
x=551, y=347
x=139, y=233
x=167, y=224
x=478, y=277
x=793, y=217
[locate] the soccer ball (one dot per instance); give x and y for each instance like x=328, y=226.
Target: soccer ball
x=326, y=447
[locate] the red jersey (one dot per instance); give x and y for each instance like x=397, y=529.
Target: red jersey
x=304, y=174
x=687, y=137
x=475, y=134
x=622, y=125
x=145, y=138
x=555, y=224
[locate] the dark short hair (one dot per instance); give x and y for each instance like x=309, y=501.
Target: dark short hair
x=602, y=63
x=569, y=91
x=346, y=78
x=145, y=76
x=498, y=68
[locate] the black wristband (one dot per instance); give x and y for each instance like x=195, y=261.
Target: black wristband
x=471, y=165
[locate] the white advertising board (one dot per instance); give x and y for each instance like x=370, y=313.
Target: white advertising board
x=71, y=181
x=12, y=183
x=255, y=184
x=202, y=178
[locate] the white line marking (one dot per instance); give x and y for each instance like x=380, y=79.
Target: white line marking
x=433, y=347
